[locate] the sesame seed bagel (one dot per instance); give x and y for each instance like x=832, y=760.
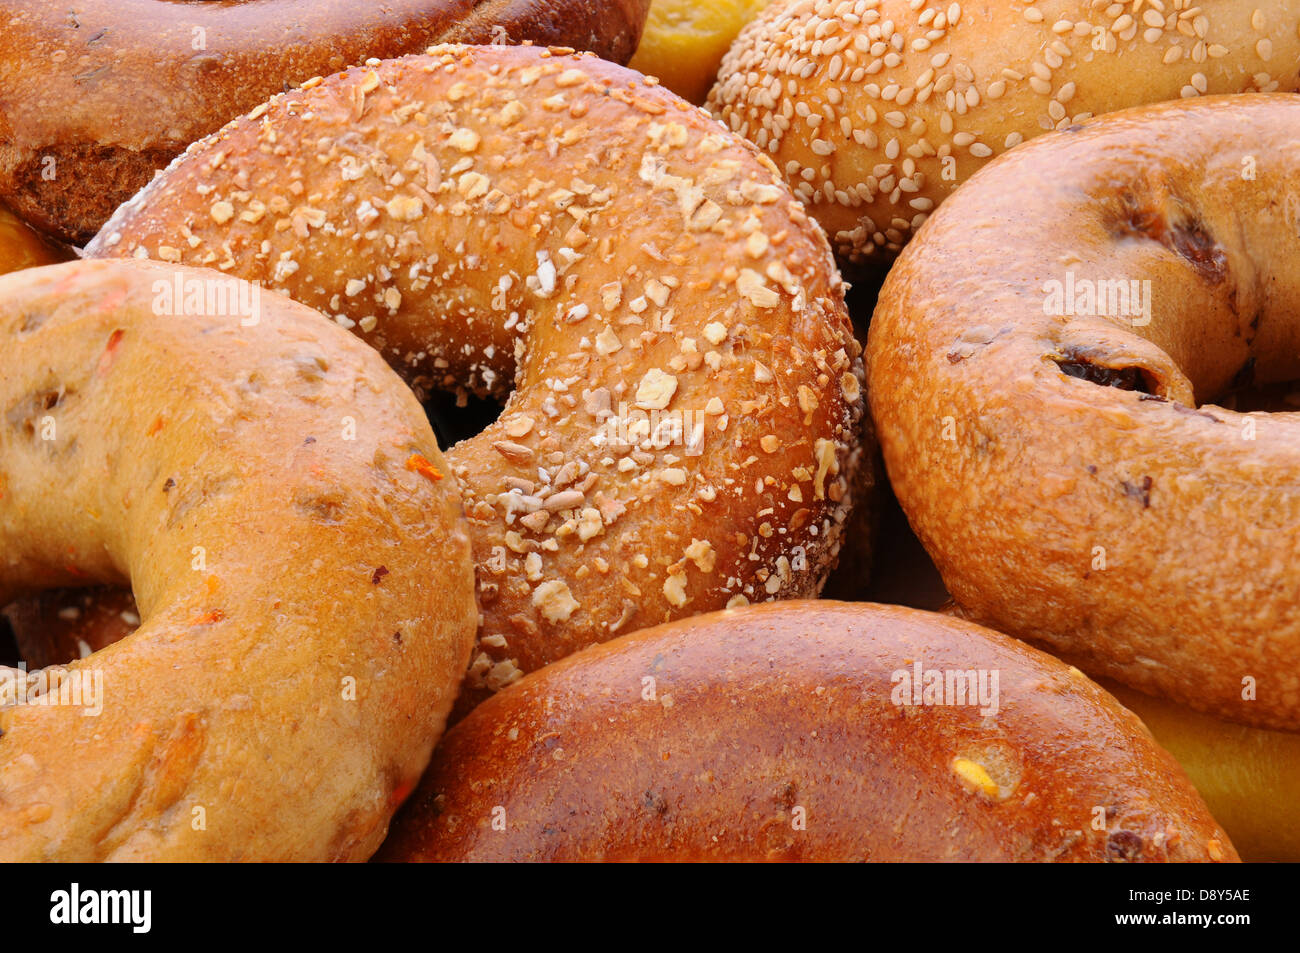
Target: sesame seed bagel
x=94, y=99
x=794, y=732
x=1042, y=362
x=684, y=387
x=305, y=585
x=876, y=110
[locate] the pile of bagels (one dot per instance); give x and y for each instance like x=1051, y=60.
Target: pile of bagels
x=425, y=438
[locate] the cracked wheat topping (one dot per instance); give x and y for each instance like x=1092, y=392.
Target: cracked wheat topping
x=663, y=321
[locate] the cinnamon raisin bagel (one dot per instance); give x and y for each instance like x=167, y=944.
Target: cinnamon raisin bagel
x=796, y=732
x=684, y=387
x=1043, y=362
x=877, y=109
x=95, y=97
x=301, y=566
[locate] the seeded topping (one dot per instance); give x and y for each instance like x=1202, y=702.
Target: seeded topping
x=662, y=320
x=875, y=110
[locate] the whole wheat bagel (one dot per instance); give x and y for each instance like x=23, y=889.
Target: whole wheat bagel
x=301, y=566
x=94, y=97
x=1043, y=362
x=795, y=731
x=684, y=387
x=876, y=110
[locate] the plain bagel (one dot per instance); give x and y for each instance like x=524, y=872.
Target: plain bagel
x=684, y=388
x=305, y=583
x=814, y=731
x=96, y=96
x=1042, y=362
x=876, y=110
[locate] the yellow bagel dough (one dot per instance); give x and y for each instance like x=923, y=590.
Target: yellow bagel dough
x=684, y=42
x=1249, y=777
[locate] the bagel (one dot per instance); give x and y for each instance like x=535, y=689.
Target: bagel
x=788, y=732
x=684, y=41
x=94, y=99
x=877, y=110
x=20, y=247
x=1249, y=777
x=1057, y=453
x=303, y=573
x=683, y=431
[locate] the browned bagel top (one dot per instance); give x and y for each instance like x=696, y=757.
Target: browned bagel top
x=778, y=732
x=1042, y=363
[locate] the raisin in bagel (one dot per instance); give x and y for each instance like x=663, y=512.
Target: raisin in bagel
x=877, y=109
x=1041, y=361
x=790, y=732
x=94, y=99
x=682, y=433
x=303, y=574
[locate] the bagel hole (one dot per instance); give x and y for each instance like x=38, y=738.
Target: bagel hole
x=1246, y=394
x=9, y=655
x=60, y=626
x=458, y=417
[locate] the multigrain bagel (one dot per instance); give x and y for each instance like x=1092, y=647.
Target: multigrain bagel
x=788, y=732
x=683, y=432
x=94, y=98
x=1042, y=361
x=877, y=109
x=303, y=573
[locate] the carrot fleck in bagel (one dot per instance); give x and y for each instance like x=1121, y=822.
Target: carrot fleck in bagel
x=307, y=599
x=683, y=430
x=877, y=109
x=98, y=95
x=1042, y=361
x=815, y=731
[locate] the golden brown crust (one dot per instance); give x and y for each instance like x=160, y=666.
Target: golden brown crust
x=307, y=594
x=1148, y=535
x=877, y=109
x=772, y=733
x=683, y=430
x=111, y=91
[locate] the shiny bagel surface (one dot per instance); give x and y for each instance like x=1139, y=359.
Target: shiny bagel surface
x=778, y=732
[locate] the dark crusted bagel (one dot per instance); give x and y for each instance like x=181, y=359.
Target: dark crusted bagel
x=94, y=97
x=786, y=732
